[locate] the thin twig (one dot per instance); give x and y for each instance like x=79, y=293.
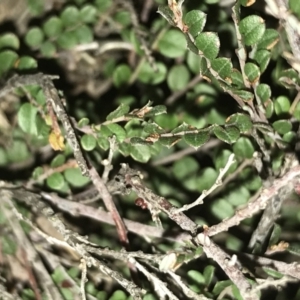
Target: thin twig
x=214, y=186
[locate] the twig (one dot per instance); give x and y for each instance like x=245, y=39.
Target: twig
x=214, y=186
x=83, y=278
x=108, y=162
x=132, y=178
x=79, y=209
x=241, y=51
x=43, y=275
x=273, y=282
x=257, y=204
x=232, y=176
x=52, y=97
x=184, y=152
x=188, y=292
x=160, y=287
x=72, y=240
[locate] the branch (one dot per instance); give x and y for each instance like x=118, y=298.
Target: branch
x=214, y=186
x=256, y=205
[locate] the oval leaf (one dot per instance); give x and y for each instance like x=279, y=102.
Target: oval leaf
x=9, y=40
x=196, y=140
x=252, y=29
x=195, y=20
x=27, y=118
x=222, y=66
x=172, y=44
x=208, y=43
x=252, y=72
x=228, y=135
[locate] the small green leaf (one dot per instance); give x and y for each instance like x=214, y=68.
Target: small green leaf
x=220, y=286
x=244, y=95
x=252, y=72
x=236, y=293
x=35, y=7
x=140, y=152
x=282, y=105
x=70, y=16
x=88, y=142
x=118, y=295
x=83, y=122
x=27, y=118
x=40, y=97
x=75, y=178
x=269, y=39
x=263, y=91
x=241, y=121
x=222, y=209
x=84, y=34
x=295, y=7
x=222, y=66
x=172, y=44
x=156, y=111
x=58, y=160
x=237, y=78
x=7, y=60
x=56, y=181
x=121, y=75
x=151, y=128
x=123, y=18
x=27, y=62
x=262, y=57
x=272, y=273
x=103, y=5
x=185, y=167
x=269, y=106
x=193, y=62
x=282, y=126
x=149, y=76
x=67, y=40
x=206, y=179
x=48, y=49
x=121, y=111
x=289, y=78
x=53, y=27
x=88, y=14
x=103, y=143
x=243, y=148
x=289, y=137
x=208, y=274
x=18, y=151
x=252, y=29
x=208, y=43
x=275, y=236
x=169, y=141
x=178, y=77
x=228, y=135
x=34, y=37
x=9, y=40
x=167, y=13
x=118, y=131
x=195, y=20
x=168, y=121
x=198, y=139
x=196, y=276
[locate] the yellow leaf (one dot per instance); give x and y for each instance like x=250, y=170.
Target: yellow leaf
x=56, y=141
